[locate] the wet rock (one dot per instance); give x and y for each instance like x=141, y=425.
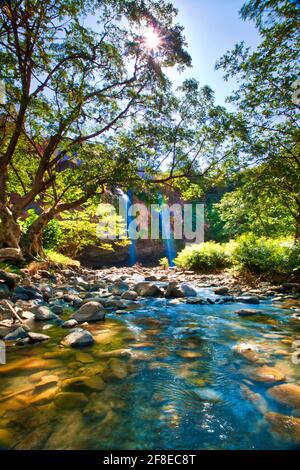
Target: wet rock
x=174, y=291
x=17, y=334
x=70, y=323
x=256, y=399
x=62, y=440
x=221, y=291
x=286, y=394
x=37, y=337
x=27, y=293
x=45, y=396
x=188, y=291
x=43, y=313
x=118, y=369
x=4, y=291
x=248, y=351
x=129, y=295
x=267, y=374
x=247, y=312
x=247, y=299
x=90, y=312
x=84, y=358
x=70, y=400
x=208, y=394
x=79, y=338
x=80, y=384
x=146, y=289
x=286, y=428
x=114, y=353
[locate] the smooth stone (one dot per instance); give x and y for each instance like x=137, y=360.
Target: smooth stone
x=19, y=333
x=70, y=323
x=84, y=358
x=45, y=396
x=113, y=353
x=118, y=368
x=286, y=428
x=4, y=291
x=247, y=299
x=248, y=312
x=89, y=312
x=129, y=295
x=248, y=351
x=70, y=400
x=208, y=394
x=221, y=291
x=37, y=337
x=43, y=313
x=146, y=289
x=267, y=374
x=79, y=338
x=79, y=384
x=286, y=394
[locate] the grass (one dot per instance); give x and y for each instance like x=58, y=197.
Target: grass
x=54, y=257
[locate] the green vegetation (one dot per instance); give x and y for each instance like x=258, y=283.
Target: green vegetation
x=259, y=255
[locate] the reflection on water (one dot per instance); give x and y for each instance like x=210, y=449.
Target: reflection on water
x=162, y=377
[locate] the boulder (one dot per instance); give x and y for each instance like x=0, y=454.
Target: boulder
x=17, y=334
x=27, y=293
x=286, y=428
x=146, y=289
x=174, y=291
x=248, y=299
x=286, y=394
x=43, y=313
x=70, y=400
x=70, y=323
x=267, y=374
x=247, y=312
x=37, y=337
x=89, y=312
x=129, y=295
x=188, y=291
x=79, y=338
x=221, y=291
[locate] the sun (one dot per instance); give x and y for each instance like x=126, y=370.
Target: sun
x=152, y=39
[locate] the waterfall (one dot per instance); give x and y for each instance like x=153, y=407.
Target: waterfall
x=126, y=203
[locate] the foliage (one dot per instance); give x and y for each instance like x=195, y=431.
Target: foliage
x=206, y=257
x=55, y=257
x=164, y=263
x=267, y=255
x=52, y=236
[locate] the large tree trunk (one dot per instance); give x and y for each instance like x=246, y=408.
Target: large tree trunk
x=32, y=241
x=10, y=230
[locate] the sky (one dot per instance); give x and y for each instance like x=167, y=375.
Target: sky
x=211, y=28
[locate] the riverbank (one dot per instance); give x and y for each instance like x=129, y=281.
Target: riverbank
x=146, y=358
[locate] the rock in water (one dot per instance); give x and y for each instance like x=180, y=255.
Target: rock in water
x=174, y=291
x=70, y=323
x=90, y=312
x=43, y=313
x=37, y=337
x=146, y=289
x=19, y=333
x=221, y=291
x=247, y=312
x=287, y=394
x=79, y=338
x=208, y=394
x=129, y=295
x=267, y=374
x=247, y=299
x=286, y=428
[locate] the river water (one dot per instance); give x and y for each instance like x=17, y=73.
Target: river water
x=164, y=376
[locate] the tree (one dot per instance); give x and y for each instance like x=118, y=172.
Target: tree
x=68, y=85
x=267, y=121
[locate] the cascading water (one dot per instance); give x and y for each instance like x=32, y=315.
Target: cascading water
x=126, y=201
x=166, y=231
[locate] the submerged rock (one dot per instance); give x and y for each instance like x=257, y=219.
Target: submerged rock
x=285, y=428
x=70, y=400
x=70, y=323
x=286, y=394
x=221, y=291
x=247, y=312
x=247, y=299
x=43, y=313
x=79, y=338
x=267, y=374
x=37, y=337
x=248, y=351
x=208, y=394
x=90, y=312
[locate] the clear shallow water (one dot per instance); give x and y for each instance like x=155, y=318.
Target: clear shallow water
x=179, y=385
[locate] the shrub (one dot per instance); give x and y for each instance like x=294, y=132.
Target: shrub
x=164, y=263
x=52, y=236
x=206, y=257
x=266, y=255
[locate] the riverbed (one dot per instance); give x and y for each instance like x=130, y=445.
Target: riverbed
x=164, y=375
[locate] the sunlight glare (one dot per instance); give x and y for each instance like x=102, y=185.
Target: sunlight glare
x=152, y=39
